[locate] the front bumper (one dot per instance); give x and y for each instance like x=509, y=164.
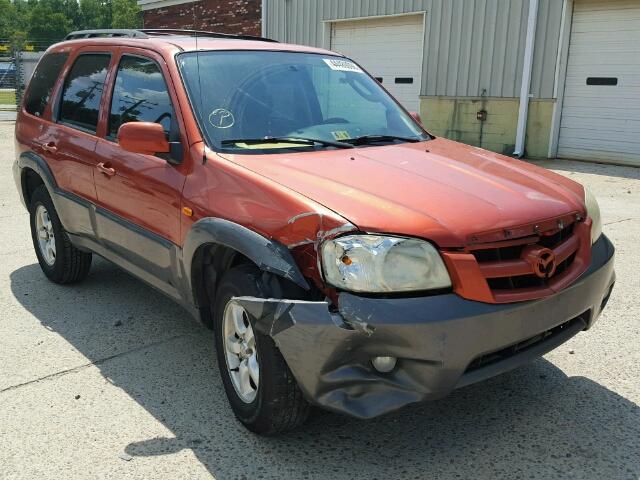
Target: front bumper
x=442, y=342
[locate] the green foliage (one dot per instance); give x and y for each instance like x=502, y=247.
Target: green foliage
x=126, y=14
x=48, y=21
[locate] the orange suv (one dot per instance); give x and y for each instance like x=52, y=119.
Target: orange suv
x=343, y=256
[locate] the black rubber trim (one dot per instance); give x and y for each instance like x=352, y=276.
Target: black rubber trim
x=268, y=255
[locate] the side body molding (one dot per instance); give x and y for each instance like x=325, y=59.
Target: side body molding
x=269, y=255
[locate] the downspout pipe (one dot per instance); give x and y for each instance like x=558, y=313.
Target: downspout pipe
x=264, y=18
x=527, y=70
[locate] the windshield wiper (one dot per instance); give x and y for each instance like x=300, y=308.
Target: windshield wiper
x=293, y=140
x=369, y=139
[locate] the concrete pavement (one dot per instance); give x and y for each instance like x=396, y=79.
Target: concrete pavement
x=108, y=379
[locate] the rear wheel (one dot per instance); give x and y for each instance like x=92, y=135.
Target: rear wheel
x=60, y=261
x=261, y=389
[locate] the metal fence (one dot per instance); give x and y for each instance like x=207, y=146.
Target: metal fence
x=16, y=68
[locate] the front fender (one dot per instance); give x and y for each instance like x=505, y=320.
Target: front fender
x=268, y=255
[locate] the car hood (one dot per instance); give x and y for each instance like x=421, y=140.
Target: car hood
x=439, y=190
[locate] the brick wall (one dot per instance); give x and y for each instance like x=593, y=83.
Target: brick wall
x=225, y=16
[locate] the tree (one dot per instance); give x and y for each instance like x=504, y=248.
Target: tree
x=46, y=24
x=93, y=14
x=47, y=21
x=7, y=14
x=126, y=14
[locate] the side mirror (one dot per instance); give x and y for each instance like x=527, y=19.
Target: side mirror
x=416, y=117
x=143, y=137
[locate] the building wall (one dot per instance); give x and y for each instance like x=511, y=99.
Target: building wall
x=472, y=47
x=225, y=16
x=456, y=118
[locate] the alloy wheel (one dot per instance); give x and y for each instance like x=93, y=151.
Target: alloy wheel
x=240, y=352
x=46, y=236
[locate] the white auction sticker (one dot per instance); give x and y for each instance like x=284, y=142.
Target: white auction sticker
x=342, y=65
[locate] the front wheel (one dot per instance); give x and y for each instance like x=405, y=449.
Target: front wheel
x=261, y=389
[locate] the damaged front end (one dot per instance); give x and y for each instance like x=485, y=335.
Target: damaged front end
x=441, y=342
x=330, y=355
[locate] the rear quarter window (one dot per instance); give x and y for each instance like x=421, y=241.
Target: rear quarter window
x=42, y=82
x=82, y=91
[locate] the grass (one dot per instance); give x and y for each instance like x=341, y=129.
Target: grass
x=7, y=97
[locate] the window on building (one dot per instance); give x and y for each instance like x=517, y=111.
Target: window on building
x=42, y=82
x=140, y=95
x=82, y=91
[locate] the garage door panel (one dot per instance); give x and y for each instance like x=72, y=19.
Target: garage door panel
x=595, y=133
x=603, y=122
x=617, y=103
x=386, y=48
x=607, y=60
x=604, y=47
x=626, y=78
x=624, y=22
x=605, y=156
x=617, y=122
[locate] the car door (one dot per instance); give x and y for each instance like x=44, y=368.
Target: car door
x=140, y=195
x=70, y=142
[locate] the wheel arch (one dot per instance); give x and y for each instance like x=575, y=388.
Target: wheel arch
x=214, y=245
x=34, y=172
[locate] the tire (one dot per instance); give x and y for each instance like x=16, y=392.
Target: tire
x=277, y=405
x=63, y=263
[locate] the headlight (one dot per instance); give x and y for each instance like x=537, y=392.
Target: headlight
x=593, y=212
x=375, y=263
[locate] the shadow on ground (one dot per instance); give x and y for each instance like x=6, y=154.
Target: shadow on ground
x=533, y=422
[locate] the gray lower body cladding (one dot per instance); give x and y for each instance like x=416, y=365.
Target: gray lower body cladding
x=442, y=342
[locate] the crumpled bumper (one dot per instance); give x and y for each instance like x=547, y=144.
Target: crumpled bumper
x=442, y=342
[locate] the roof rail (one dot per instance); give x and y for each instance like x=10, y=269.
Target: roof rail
x=202, y=33
x=147, y=32
x=130, y=33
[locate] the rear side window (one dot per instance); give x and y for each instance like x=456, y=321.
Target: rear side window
x=139, y=95
x=83, y=90
x=42, y=82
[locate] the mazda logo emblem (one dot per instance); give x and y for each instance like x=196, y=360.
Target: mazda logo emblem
x=542, y=261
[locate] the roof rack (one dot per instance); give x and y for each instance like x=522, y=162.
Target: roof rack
x=148, y=32
x=129, y=33
x=202, y=33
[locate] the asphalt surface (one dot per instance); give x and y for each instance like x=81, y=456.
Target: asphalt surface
x=109, y=379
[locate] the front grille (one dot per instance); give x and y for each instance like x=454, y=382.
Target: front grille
x=505, y=353
x=521, y=263
x=505, y=269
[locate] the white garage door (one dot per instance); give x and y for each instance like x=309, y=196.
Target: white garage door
x=601, y=109
x=389, y=48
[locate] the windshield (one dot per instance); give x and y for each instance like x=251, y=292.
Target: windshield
x=241, y=97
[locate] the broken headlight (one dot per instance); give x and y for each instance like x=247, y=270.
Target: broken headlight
x=377, y=264
x=593, y=212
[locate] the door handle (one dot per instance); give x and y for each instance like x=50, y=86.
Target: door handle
x=50, y=147
x=108, y=171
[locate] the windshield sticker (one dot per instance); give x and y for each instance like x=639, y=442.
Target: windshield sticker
x=221, y=118
x=342, y=65
x=341, y=135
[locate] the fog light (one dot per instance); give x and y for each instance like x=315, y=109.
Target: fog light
x=384, y=364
